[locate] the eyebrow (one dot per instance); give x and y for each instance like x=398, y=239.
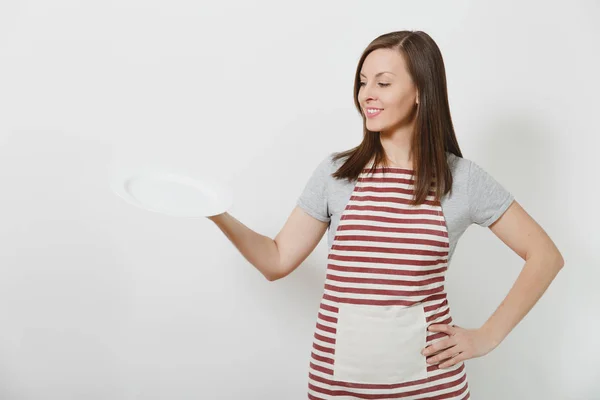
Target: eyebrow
x=379, y=73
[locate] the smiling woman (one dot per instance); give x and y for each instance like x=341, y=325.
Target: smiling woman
x=384, y=327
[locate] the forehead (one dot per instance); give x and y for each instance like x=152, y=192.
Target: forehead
x=381, y=60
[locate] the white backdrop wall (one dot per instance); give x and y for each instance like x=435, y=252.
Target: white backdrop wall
x=101, y=300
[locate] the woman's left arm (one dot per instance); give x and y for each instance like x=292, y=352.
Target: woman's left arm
x=519, y=231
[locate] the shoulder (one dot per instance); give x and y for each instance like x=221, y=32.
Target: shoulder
x=464, y=169
x=486, y=197
x=458, y=165
x=328, y=165
x=459, y=168
x=335, y=163
x=470, y=180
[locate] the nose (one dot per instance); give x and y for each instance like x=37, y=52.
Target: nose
x=367, y=94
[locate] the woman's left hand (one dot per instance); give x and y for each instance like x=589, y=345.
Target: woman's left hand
x=461, y=344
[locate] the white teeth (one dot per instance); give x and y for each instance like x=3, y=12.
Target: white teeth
x=373, y=110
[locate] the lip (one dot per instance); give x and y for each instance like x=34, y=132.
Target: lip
x=369, y=115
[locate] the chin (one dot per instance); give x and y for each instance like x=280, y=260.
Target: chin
x=374, y=123
x=375, y=127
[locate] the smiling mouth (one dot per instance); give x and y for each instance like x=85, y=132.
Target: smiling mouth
x=374, y=113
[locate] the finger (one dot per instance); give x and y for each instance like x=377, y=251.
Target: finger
x=442, y=328
x=448, y=353
x=454, y=360
x=439, y=346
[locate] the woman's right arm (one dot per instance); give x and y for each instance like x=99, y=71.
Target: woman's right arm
x=274, y=258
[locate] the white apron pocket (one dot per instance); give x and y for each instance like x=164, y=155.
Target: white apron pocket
x=380, y=344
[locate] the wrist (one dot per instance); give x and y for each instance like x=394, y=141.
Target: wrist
x=216, y=218
x=490, y=336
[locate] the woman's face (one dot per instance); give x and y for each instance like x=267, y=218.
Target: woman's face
x=386, y=85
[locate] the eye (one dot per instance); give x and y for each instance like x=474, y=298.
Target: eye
x=380, y=84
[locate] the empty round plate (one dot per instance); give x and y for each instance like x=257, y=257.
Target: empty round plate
x=171, y=193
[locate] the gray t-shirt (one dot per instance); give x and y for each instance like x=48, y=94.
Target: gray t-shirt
x=476, y=197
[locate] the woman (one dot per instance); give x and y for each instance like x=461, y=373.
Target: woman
x=396, y=206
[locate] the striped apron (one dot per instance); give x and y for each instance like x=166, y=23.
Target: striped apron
x=384, y=286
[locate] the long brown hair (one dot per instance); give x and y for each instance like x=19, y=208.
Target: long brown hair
x=434, y=132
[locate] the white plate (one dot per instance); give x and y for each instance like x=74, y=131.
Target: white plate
x=170, y=192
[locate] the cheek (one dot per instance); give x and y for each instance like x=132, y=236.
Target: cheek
x=399, y=107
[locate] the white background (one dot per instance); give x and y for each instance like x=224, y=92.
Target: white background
x=102, y=300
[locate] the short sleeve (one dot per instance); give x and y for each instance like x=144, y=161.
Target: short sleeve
x=488, y=199
x=313, y=198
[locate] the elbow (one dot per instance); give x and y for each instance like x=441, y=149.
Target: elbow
x=556, y=260
x=273, y=274
x=278, y=274
x=272, y=278
x=548, y=256
x=561, y=261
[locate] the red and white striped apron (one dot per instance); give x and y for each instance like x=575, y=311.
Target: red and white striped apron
x=384, y=287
